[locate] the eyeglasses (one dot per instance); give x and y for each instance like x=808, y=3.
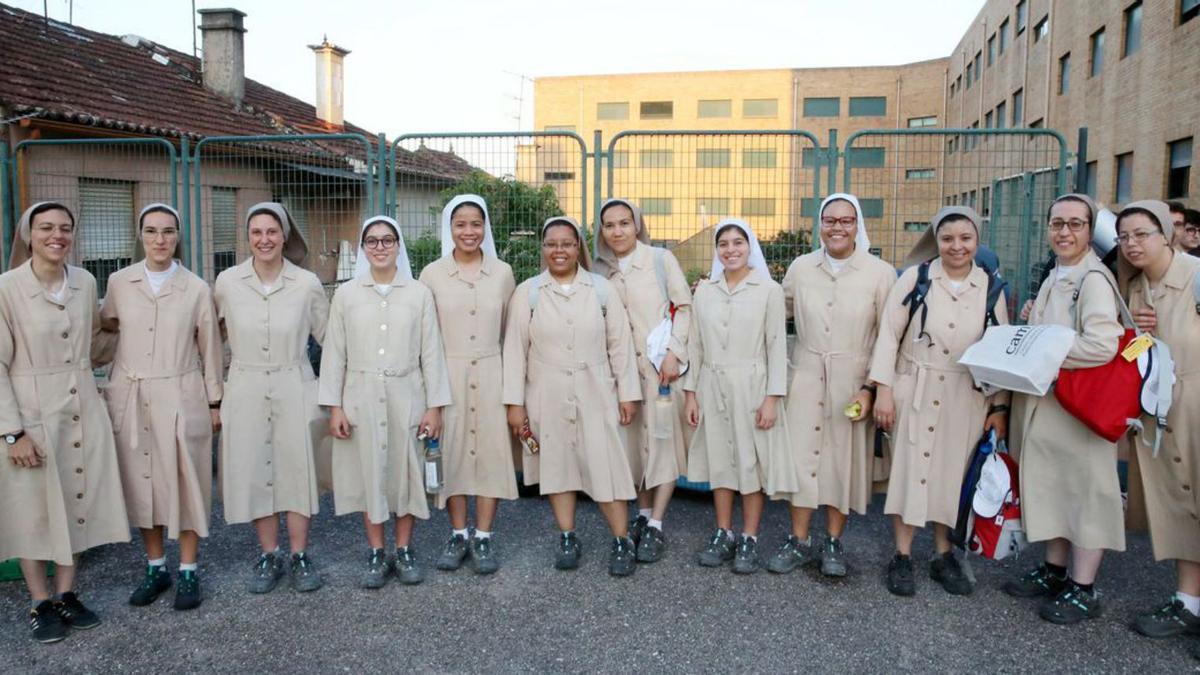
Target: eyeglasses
x=1075, y=224
x=1192, y=230
x=380, y=242
x=559, y=246
x=164, y=234
x=848, y=221
x=1136, y=237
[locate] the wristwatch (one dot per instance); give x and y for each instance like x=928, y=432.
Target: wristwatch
x=12, y=439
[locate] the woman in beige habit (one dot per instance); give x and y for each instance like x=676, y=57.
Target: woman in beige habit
x=1160, y=283
x=163, y=395
x=658, y=300
x=384, y=377
x=271, y=423
x=927, y=400
x=837, y=295
x=60, y=490
x=471, y=288
x=570, y=377
x=735, y=387
x=1070, y=494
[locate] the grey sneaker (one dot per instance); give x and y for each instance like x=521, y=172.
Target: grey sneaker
x=1037, y=582
x=718, y=551
x=833, y=561
x=746, y=559
x=568, y=552
x=637, y=528
x=1072, y=605
x=483, y=556
x=900, y=576
x=946, y=570
x=267, y=573
x=795, y=552
x=453, y=555
x=378, y=568
x=305, y=577
x=623, y=558
x=652, y=546
x=407, y=568
x=1167, y=621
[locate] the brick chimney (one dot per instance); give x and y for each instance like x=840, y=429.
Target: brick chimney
x=224, y=52
x=329, y=82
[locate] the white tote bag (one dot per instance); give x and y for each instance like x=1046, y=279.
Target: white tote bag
x=1025, y=359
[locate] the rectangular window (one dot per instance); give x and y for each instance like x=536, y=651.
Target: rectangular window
x=872, y=208
x=560, y=128
x=106, y=239
x=714, y=109
x=1179, y=168
x=959, y=81
x=1124, y=183
x=224, y=228
x=866, y=158
x=1090, y=180
x=657, y=110
x=808, y=207
x=810, y=158
x=1042, y=29
x=985, y=206
x=656, y=206
x=1133, y=30
x=918, y=174
x=1064, y=73
x=1097, y=54
x=1001, y=114
x=759, y=159
x=620, y=159
x=822, y=107
x=978, y=65
x=987, y=119
x=1022, y=16
x=950, y=145
x=918, y=122
x=612, y=111
x=712, y=206
x=1018, y=107
x=760, y=107
x=970, y=67
x=758, y=206
x=559, y=175
x=657, y=159
x=991, y=49
x=918, y=225
x=1003, y=35
x=868, y=106
x=951, y=90
x=1188, y=10
x=712, y=158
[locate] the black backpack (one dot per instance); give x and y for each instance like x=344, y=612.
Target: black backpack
x=915, y=300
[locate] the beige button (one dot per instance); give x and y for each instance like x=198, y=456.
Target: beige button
x=952, y=325
x=383, y=303
x=79, y=469
x=931, y=428
x=472, y=313
x=60, y=307
x=266, y=348
x=927, y=454
x=79, y=495
x=474, y=362
x=571, y=347
x=65, y=334
x=77, y=444
x=73, y=390
x=146, y=476
x=80, y=521
x=269, y=483
x=816, y=452
x=1178, y=460
x=954, y=298
x=383, y=326
x=472, y=408
x=945, y=351
x=473, y=386
x=472, y=337
x=816, y=428
x=937, y=402
x=813, y=474
x=75, y=418
x=151, y=330
x=381, y=350
x=922, y=481
x=941, y=378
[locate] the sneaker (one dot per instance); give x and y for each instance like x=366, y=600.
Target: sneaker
x=745, y=560
x=795, y=552
x=652, y=545
x=1071, y=605
x=1034, y=583
x=568, y=552
x=407, y=567
x=156, y=580
x=946, y=570
x=47, y=625
x=187, y=590
x=900, y=576
x=267, y=573
x=622, y=559
x=833, y=560
x=453, y=555
x=483, y=556
x=378, y=568
x=637, y=528
x=305, y=577
x=1167, y=621
x=719, y=551
x=74, y=614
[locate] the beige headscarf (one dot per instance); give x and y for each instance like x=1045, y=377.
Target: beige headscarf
x=926, y=247
x=584, y=256
x=19, y=252
x=295, y=248
x=1160, y=212
x=139, y=250
x=605, y=259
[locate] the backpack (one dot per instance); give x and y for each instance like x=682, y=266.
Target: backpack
x=915, y=300
x=598, y=282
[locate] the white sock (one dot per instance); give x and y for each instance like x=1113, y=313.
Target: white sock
x=187, y=567
x=1190, y=602
x=481, y=534
x=656, y=524
x=751, y=537
x=158, y=562
x=645, y=513
x=461, y=533
x=564, y=533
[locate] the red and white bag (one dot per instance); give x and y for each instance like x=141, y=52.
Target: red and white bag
x=996, y=531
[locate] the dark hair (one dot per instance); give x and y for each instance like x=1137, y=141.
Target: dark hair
x=157, y=209
x=954, y=217
x=725, y=228
x=1135, y=211
x=466, y=203
x=834, y=201
x=617, y=202
x=50, y=206
x=1072, y=198
x=1176, y=207
x=373, y=223
x=561, y=222
x=1191, y=216
x=261, y=212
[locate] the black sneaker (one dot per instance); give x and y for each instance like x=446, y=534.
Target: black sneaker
x=900, y=576
x=1034, y=583
x=156, y=580
x=1167, y=621
x=745, y=559
x=305, y=577
x=377, y=570
x=719, y=551
x=187, y=590
x=74, y=614
x=637, y=528
x=946, y=570
x=833, y=558
x=1071, y=605
x=652, y=545
x=267, y=573
x=483, y=556
x=453, y=555
x=407, y=567
x=622, y=559
x=568, y=552
x=47, y=625
x=795, y=552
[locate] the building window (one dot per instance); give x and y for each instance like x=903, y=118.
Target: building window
x=620, y=159
x=951, y=90
x=758, y=206
x=612, y=111
x=712, y=206
x=1124, y=184
x=950, y=145
x=1188, y=10
x=872, y=208
x=978, y=66
x=224, y=228
x=1018, y=107
x=560, y=128
x=918, y=225
x=106, y=239
x=868, y=106
x=710, y=158
x=809, y=158
x=714, y=109
x=1001, y=114
x=1022, y=16
x=959, y=81
x=1042, y=29
x=1089, y=181
x=1179, y=168
x=1003, y=36
x=760, y=107
x=987, y=119
x=822, y=107
x=970, y=67
x=759, y=159
x=991, y=50
x=1064, y=73
x=918, y=174
x=1097, y=54
x=656, y=206
x=866, y=158
x=559, y=175
x=657, y=110
x=1133, y=30
x=918, y=122
x=657, y=159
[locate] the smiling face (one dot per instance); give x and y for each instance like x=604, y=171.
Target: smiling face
x=619, y=229
x=51, y=234
x=1069, y=231
x=839, y=226
x=160, y=236
x=560, y=248
x=266, y=238
x=467, y=228
x=1141, y=240
x=957, y=242
x=380, y=241
x=1188, y=234
x=733, y=249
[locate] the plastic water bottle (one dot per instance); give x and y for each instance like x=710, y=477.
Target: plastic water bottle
x=531, y=443
x=433, y=466
x=664, y=411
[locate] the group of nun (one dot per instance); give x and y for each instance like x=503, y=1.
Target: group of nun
x=610, y=375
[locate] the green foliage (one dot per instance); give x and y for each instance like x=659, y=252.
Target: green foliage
x=783, y=248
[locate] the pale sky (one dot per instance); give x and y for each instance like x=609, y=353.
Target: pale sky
x=457, y=65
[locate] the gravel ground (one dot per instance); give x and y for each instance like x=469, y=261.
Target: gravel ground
x=672, y=615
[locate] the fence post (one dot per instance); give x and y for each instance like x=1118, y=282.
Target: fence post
x=832, y=154
x=6, y=203
x=375, y=176
x=597, y=162
x=185, y=208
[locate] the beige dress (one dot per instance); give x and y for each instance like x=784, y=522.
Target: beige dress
x=569, y=363
x=382, y=363
x=738, y=349
x=271, y=424
x=166, y=371
x=655, y=460
x=939, y=413
x=476, y=443
x=837, y=317
x=73, y=501
x=1069, y=485
x=1172, y=479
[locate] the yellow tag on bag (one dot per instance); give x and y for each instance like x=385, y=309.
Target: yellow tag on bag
x=1137, y=347
x=853, y=410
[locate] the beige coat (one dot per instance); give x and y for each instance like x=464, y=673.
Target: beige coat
x=166, y=371
x=1172, y=479
x=569, y=364
x=738, y=349
x=837, y=318
x=939, y=413
x=1069, y=485
x=655, y=461
x=73, y=501
x=476, y=448
x=271, y=424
